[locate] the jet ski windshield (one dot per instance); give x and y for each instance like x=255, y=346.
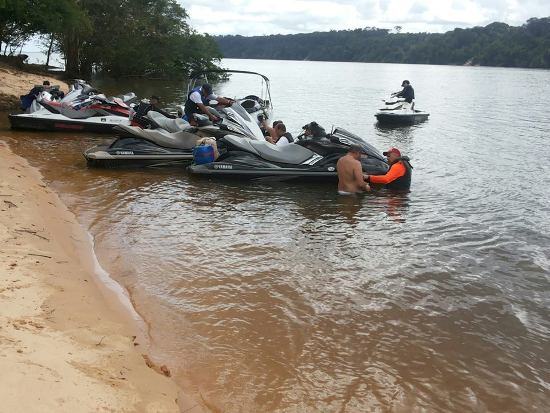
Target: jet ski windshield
x=241, y=111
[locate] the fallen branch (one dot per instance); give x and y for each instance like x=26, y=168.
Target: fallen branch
x=39, y=255
x=29, y=231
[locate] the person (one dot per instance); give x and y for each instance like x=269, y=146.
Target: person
x=26, y=100
x=197, y=101
x=350, y=172
x=407, y=92
x=277, y=134
x=398, y=176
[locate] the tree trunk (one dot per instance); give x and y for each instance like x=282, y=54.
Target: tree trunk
x=49, y=51
x=71, y=51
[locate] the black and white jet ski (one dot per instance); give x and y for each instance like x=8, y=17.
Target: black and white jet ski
x=255, y=105
x=312, y=157
x=167, y=142
x=398, y=112
x=82, y=109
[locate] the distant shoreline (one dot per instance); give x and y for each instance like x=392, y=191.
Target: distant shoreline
x=388, y=63
x=495, y=45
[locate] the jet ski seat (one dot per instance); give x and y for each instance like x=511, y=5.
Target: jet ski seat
x=88, y=90
x=289, y=154
x=128, y=97
x=170, y=125
x=178, y=140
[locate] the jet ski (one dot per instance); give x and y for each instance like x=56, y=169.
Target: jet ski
x=258, y=107
x=312, y=156
x=82, y=109
x=398, y=112
x=166, y=142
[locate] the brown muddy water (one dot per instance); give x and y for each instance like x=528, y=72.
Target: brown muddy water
x=266, y=297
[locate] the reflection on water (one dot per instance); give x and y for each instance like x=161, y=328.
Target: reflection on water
x=270, y=297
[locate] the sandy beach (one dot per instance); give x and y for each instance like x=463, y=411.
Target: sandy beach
x=65, y=345
x=15, y=82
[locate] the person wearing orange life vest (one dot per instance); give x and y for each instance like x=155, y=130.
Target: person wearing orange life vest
x=398, y=177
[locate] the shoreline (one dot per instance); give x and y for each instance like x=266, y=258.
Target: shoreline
x=70, y=339
x=16, y=81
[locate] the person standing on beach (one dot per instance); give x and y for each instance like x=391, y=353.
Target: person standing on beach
x=350, y=172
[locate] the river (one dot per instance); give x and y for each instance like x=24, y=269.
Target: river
x=270, y=297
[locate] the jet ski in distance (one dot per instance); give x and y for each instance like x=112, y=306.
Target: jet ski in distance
x=311, y=157
x=398, y=112
x=167, y=142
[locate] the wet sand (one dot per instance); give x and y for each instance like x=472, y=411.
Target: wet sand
x=65, y=345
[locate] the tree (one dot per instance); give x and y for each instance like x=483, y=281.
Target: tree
x=496, y=44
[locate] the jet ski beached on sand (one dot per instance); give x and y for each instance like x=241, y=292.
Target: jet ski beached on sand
x=82, y=109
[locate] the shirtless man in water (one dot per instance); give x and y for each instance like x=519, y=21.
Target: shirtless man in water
x=350, y=172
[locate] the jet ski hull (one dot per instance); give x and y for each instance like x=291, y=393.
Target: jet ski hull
x=401, y=119
x=225, y=170
x=57, y=122
x=105, y=156
x=245, y=166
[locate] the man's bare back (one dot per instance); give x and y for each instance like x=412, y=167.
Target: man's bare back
x=350, y=174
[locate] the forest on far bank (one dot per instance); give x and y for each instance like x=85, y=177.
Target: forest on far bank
x=118, y=38
x=496, y=44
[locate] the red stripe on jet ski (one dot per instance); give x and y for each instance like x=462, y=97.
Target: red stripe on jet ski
x=67, y=126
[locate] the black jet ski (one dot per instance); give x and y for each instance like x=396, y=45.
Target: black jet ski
x=311, y=157
x=166, y=142
x=398, y=112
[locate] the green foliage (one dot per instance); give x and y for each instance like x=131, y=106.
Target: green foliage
x=21, y=19
x=115, y=37
x=497, y=44
x=144, y=38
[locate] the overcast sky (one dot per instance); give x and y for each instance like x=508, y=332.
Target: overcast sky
x=257, y=17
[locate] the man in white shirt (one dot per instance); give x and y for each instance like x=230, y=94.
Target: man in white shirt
x=197, y=102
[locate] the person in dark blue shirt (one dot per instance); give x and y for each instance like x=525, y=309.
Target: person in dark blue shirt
x=407, y=92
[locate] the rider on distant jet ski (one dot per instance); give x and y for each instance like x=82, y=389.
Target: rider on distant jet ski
x=407, y=92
